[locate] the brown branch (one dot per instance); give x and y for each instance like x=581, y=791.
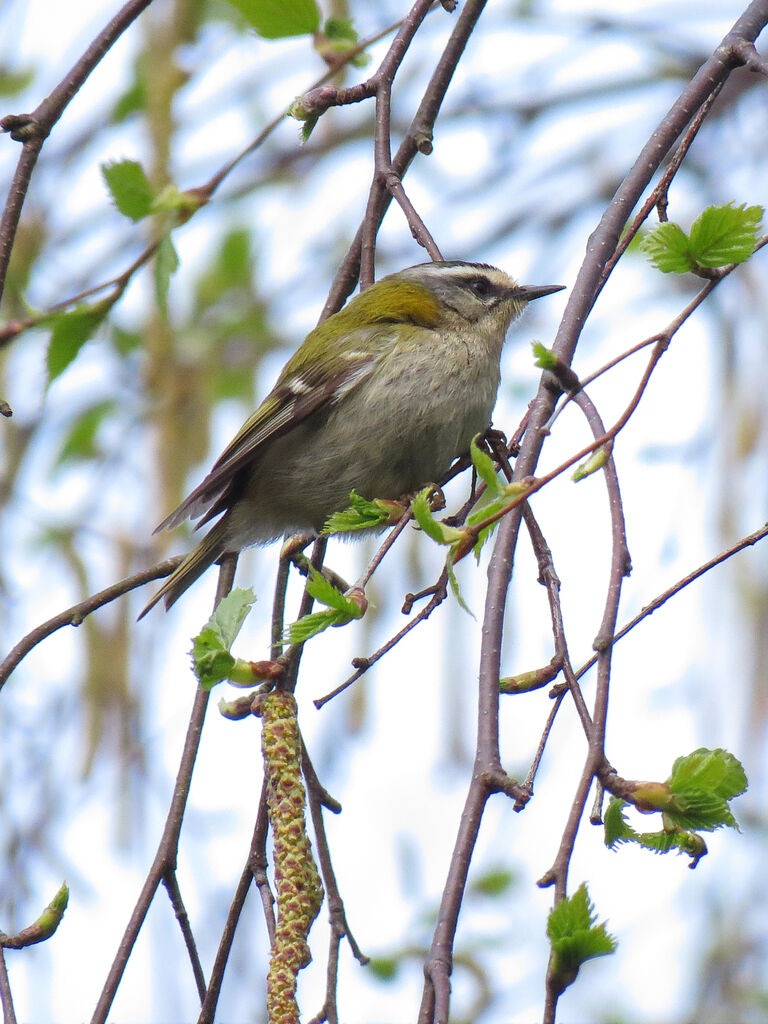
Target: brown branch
x=255, y=870
x=171, y=883
x=681, y=584
x=74, y=616
x=549, y=579
x=6, y=996
x=33, y=129
x=418, y=228
x=292, y=658
x=317, y=798
x=602, y=245
x=201, y=194
x=167, y=849
x=749, y=57
x=418, y=139
x=383, y=548
x=661, y=342
x=595, y=759
x=658, y=197
x=363, y=664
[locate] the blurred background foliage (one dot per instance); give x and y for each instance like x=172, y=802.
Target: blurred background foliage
x=549, y=108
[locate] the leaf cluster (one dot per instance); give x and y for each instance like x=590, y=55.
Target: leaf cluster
x=496, y=499
x=720, y=236
x=364, y=515
x=341, y=609
x=212, y=661
x=696, y=797
x=575, y=937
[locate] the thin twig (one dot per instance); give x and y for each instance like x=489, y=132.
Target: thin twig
x=203, y=194
x=74, y=616
x=363, y=664
x=549, y=579
x=254, y=870
x=658, y=196
x=171, y=883
x=317, y=798
x=681, y=584
x=6, y=996
x=418, y=139
x=292, y=658
x=33, y=129
x=602, y=245
x=167, y=849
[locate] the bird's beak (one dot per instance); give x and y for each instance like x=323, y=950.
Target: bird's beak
x=526, y=293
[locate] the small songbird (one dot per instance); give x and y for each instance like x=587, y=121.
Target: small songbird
x=381, y=398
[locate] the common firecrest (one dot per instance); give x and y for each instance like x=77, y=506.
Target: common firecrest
x=381, y=397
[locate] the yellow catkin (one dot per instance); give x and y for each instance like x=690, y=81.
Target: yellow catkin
x=298, y=888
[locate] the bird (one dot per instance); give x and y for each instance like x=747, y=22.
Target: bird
x=380, y=398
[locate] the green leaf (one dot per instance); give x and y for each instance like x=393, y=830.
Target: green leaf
x=80, y=441
x=124, y=341
x=131, y=101
x=485, y=506
x=667, y=248
x=341, y=610
x=422, y=513
x=340, y=29
x=211, y=660
x=719, y=236
x=361, y=515
x=230, y=269
x=618, y=830
x=385, y=968
x=490, y=504
x=324, y=591
x=717, y=770
x=129, y=187
x=316, y=622
x=276, y=19
x=701, y=785
x=484, y=467
x=725, y=234
x=14, y=82
x=181, y=203
x=45, y=925
x=495, y=882
x=338, y=37
x=230, y=614
x=70, y=332
x=545, y=358
x=307, y=127
x=234, y=257
x=166, y=263
x=694, y=798
x=51, y=917
x=210, y=664
x=575, y=937
x=454, y=583
x=308, y=118
x=615, y=824
x=595, y=462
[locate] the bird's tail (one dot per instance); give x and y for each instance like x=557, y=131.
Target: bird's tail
x=210, y=548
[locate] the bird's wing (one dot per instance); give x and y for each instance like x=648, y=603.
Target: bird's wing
x=297, y=394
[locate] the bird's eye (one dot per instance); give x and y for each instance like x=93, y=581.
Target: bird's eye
x=481, y=287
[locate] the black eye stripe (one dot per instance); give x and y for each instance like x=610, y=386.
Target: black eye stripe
x=482, y=287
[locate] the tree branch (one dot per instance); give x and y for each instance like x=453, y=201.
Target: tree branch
x=33, y=129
